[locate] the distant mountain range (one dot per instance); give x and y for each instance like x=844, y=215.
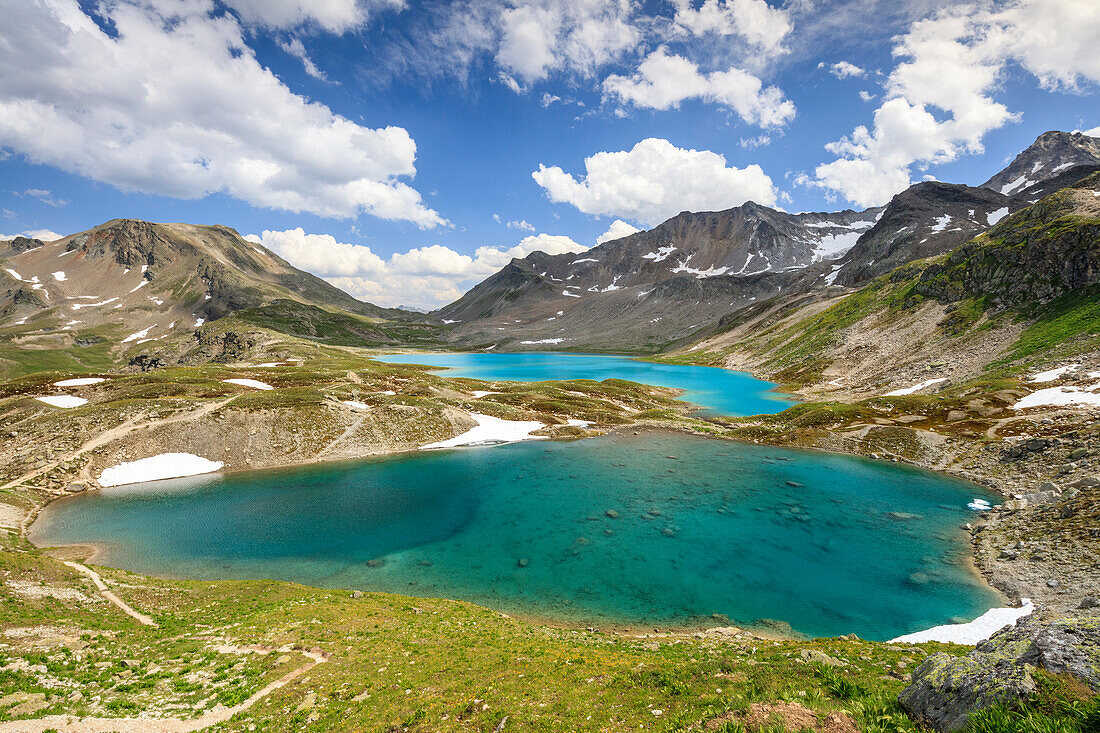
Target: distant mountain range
x=155, y=294
x=657, y=288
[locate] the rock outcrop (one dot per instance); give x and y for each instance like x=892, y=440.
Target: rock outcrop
x=19, y=244
x=946, y=690
x=1040, y=253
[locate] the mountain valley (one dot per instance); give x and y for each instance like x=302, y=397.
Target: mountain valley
x=955, y=329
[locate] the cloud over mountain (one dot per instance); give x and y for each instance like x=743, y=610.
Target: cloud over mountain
x=425, y=277
x=940, y=98
x=655, y=180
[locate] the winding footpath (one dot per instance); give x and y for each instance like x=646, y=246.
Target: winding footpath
x=213, y=716
x=109, y=595
x=217, y=714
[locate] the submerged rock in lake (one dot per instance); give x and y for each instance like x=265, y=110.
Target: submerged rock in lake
x=946, y=690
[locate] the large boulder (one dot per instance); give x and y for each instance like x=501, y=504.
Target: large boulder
x=945, y=690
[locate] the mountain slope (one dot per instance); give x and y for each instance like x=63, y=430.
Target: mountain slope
x=655, y=289
x=1022, y=295
x=656, y=286
x=127, y=283
x=924, y=220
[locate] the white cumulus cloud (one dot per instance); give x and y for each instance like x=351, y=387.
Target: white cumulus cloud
x=46, y=235
x=540, y=36
x=939, y=101
x=757, y=22
x=663, y=81
x=844, y=70
x=424, y=277
x=617, y=230
x=173, y=101
x=656, y=180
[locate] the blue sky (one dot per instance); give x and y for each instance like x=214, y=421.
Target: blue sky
x=406, y=150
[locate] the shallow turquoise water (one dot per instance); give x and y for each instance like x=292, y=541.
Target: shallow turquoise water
x=704, y=527
x=717, y=391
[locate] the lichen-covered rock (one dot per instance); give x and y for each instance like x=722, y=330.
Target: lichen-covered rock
x=946, y=690
x=1071, y=647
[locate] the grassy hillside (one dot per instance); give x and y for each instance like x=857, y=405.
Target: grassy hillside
x=166, y=293
x=338, y=328
x=1035, y=276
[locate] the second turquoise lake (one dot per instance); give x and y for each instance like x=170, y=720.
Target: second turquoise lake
x=717, y=391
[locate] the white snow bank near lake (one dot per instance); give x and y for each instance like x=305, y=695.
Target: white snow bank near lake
x=165, y=465
x=254, y=383
x=914, y=388
x=1051, y=375
x=1059, y=397
x=355, y=405
x=979, y=505
x=575, y=423
x=479, y=393
x=973, y=632
x=492, y=430
x=81, y=382
x=63, y=400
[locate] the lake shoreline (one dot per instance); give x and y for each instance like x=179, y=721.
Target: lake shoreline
x=98, y=553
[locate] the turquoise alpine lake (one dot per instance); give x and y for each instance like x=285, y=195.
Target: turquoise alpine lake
x=717, y=391
x=655, y=529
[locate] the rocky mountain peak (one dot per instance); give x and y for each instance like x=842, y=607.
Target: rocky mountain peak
x=1050, y=154
x=925, y=220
